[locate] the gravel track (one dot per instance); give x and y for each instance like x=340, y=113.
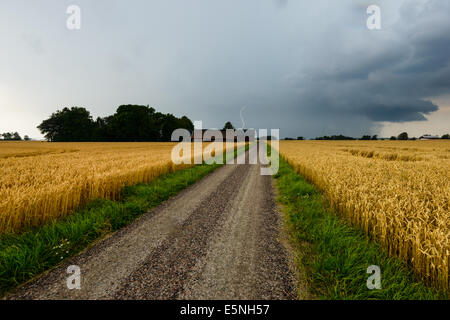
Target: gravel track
x=218, y=239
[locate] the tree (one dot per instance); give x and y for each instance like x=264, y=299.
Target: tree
x=169, y=124
x=131, y=123
x=446, y=136
x=11, y=136
x=186, y=123
x=16, y=136
x=102, y=130
x=375, y=137
x=128, y=124
x=73, y=124
x=300, y=138
x=140, y=123
x=334, y=137
x=7, y=136
x=403, y=136
x=392, y=138
x=228, y=125
x=366, y=137
x=26, y=138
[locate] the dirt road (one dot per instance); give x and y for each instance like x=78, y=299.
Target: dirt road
x=218, y=239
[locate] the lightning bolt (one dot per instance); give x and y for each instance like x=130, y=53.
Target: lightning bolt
x=242, y=118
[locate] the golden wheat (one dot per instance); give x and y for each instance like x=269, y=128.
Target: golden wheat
x=40, y=181
x=398, y=192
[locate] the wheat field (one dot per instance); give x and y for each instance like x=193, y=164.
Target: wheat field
x=40, y=181
x=398, y=192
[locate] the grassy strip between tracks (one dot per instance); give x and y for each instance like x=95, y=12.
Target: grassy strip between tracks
x=29, y=253
x=334, y=256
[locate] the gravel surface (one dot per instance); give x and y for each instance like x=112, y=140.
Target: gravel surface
x=218, y=239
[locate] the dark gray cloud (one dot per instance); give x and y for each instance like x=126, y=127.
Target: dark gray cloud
x=307, y=67
x=392, y=80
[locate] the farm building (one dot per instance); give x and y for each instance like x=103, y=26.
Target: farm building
x=428, y=137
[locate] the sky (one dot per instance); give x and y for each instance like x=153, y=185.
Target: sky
x=308, y=68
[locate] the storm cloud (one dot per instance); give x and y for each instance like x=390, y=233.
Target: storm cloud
x=389, y=76
x=307, y=67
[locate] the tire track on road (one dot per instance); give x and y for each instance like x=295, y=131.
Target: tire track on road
x=218, y=239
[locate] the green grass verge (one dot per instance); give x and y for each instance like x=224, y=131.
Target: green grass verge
x=334, y=255
x=29, y=253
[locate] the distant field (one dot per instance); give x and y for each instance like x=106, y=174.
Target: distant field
x=40, y=181
x=398, y=192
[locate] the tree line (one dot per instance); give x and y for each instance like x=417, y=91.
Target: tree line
x=401, y=136
x=130, y=123
x=13, y=136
